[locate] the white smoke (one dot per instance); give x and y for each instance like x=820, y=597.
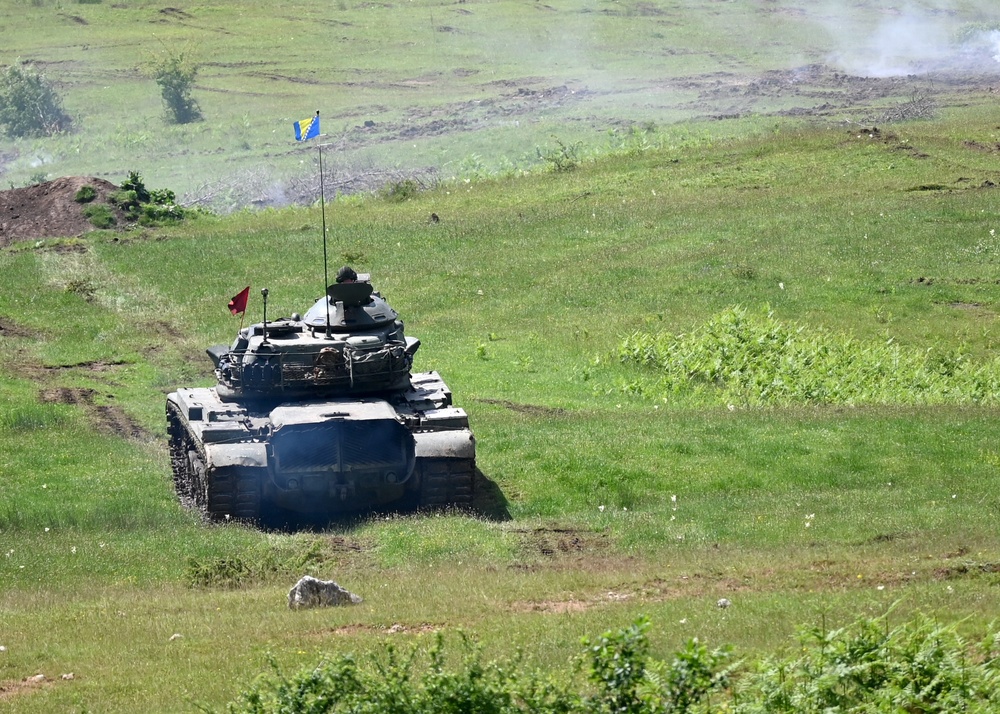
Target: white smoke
x=936, y=36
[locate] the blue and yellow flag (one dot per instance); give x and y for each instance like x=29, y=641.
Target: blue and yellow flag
x=307, y=128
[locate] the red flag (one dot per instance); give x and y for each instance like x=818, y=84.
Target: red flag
x=239, y=303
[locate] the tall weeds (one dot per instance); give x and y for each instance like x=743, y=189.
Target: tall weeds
x=757, y=360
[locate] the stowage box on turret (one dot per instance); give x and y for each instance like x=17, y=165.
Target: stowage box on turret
x=320, y=415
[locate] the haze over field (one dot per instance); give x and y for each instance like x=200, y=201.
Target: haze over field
x=461, y=90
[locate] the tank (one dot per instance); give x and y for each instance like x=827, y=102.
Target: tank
x=320, y=415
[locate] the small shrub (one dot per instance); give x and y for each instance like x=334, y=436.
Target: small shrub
x=135, y=184
x=147, y=207
x=864, y=668
x=175, y=76
x=564, y=158
x=919, y=666
x=86, y=194
x=284, y=562
x=100, y=215
x=219, y=573
x=29, y=105
x=83, y=288
x=399, y=191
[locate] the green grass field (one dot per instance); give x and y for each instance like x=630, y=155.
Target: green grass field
x=616, y=492
x=623, y=497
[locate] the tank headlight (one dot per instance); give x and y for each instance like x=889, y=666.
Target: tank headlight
x=293, y=483
x=390, y=477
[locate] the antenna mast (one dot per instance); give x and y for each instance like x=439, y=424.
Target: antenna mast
x=322, y=205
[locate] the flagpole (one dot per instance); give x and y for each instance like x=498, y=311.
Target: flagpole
x=322, y=205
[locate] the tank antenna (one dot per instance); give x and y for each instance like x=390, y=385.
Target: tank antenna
x=263, y=294
x=322, y=205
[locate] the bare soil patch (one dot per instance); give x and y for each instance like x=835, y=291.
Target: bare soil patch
x=533, y=409
x=9, y=328
x=11, y=689
x=49, y=210
x=562, y=541
x=107, y=419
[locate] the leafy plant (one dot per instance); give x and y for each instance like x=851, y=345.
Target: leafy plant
x=147, y=207
x=920, y=666
x=619, y=669
x=399, y=191
x=758, y=360
x=175, y=75
x=407, y=683
x=565, y=157
x=29, y=104
x=617, y=666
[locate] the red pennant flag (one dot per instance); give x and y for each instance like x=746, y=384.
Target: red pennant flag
x=239, y=303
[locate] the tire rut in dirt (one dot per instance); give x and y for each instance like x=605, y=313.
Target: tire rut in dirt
x=107, y=419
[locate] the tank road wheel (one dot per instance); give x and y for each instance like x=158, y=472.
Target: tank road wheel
x=234, y=494
x=446, y=482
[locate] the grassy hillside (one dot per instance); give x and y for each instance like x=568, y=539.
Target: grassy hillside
x=625, y=495
x=752, y=162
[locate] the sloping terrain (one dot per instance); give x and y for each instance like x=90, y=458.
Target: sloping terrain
x=50, y=209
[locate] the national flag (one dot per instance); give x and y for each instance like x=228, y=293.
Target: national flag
x=239, y=303
x=307, y=128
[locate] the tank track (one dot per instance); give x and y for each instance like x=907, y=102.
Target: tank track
x=229, y=494
x=446, y=483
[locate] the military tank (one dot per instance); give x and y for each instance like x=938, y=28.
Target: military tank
x=320, y=415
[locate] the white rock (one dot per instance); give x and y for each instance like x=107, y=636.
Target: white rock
x=312, y=592
x=723, y=603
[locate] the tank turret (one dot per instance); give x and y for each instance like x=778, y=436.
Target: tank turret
x=349, y=342
x=320, y=414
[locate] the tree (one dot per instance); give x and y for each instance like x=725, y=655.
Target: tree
x=29, y=105
x=175, y=74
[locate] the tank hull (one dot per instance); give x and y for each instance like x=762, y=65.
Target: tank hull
x=244, y=459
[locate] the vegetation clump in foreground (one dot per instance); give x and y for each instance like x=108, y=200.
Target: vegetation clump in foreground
x=919, y=666
x=146, y=207
x=757, y=360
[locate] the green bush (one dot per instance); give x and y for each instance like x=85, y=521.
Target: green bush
x=864, y=668
x=399, y=191
x=147, y=207
x=620, y=680
x=29, y=105
x=564, y=158
x=175, y=76
x=917, y=667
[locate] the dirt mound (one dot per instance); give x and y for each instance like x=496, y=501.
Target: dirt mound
x=50, y=209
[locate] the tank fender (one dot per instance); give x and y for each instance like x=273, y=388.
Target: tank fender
x=454, y=444
x=245, y=454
